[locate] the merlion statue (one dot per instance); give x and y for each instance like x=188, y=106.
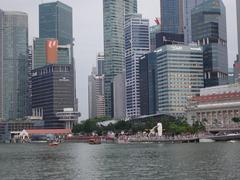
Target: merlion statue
x=159, y=128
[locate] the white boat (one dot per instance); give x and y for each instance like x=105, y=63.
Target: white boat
x=232, y=141
x=206, y=140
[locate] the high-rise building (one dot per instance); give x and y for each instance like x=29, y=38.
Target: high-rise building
x=172, y=16
x=13, y=64
x=236, y=64
x=119, y=92
x=179, y=77
x=29, y=79
x=55, y=21
x=188, y=5
x=238, y=24
x=100, y=63
x=130, y=6
x=147, y=74
x=137, y=43
x=113, y=19
x=52, y=92
x=236, y=70
x=209, y=30
x=96, y=101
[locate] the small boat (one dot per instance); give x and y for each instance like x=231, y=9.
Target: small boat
x=94, y=141
x=232, y=141
x=206, y=140
x=54, y=143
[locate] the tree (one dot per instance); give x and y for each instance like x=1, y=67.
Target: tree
x=236, y=119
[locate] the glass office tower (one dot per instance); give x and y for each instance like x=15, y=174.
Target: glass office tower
x=236, y=64
x=55, y=21
x=52, y=91
x=13, y=65
x=147, y=74
x=209, y=30
x=137, y=43
x=188, y=5
x=172, y=16
x=179, y=76
x=114, y=12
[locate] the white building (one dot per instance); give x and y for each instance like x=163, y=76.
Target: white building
x=137, y=43
x=96, y=100
x=216, y=106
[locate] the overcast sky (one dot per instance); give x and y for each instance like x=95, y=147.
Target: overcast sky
x=88, y=33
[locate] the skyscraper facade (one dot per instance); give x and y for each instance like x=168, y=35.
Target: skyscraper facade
x=52, y=92
x=29, y=80
x=179, y=77
x=147, y=74
x=47, y=51
x=119, y=92
x=100, y=63
x=188, y=5
x=153, y=32
x=114, y=12
x=236, y=70
x=236, y=64
x=172, y=16
x=96, y=101
x=137, y=43
x=55, y=21
x=238, y=23
x=209, y=30
x=13, y=64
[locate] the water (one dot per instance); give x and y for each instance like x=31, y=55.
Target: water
x=70, y=161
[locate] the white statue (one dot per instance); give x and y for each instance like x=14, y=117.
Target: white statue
x=159, y=128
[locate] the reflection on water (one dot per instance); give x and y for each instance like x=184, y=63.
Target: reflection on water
x=111, y=161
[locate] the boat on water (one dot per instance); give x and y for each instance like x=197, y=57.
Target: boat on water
x=206, y=140
x=53, y=143
x=94, y=141
x=232, y=141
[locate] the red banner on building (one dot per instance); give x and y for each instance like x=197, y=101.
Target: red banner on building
x=51, y=51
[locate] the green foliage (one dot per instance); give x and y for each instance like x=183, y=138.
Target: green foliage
x=170, y=124
x=89, y=126
x=236, y=119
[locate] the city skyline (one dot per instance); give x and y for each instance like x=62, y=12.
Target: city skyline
x=88, y=34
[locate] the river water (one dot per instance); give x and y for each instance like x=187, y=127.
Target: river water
x=76, y=161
